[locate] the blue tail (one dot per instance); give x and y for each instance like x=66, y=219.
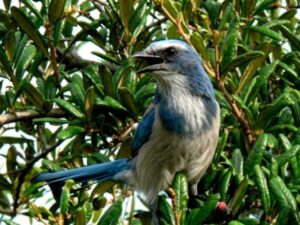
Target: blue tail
x=99, y=172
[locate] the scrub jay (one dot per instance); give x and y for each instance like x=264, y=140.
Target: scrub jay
x=179, y=131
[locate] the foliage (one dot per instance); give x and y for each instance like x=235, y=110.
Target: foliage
x=71, y=112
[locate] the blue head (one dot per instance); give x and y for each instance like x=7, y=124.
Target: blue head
x=184, y=92
x=176, y=64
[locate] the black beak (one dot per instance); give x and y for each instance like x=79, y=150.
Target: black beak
x=154, y=62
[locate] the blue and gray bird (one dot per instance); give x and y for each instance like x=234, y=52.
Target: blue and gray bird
x=178, y=133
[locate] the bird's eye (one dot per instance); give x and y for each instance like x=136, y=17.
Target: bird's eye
x=170, y=51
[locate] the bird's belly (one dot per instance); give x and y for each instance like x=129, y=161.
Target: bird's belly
x=165, y=155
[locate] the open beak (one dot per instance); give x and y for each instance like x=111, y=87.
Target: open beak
x=154, y=62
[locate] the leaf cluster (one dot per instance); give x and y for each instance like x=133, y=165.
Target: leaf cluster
x=67, y=111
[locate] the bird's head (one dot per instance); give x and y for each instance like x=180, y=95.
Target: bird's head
x=175, y=63
x=168, y=56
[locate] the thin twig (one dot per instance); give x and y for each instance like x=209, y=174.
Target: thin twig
x=172, y=194
x=53, y=54
x=28, y=115
x=177, y=23
x=236, y=111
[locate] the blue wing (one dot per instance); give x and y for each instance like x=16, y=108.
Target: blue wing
x=143, y=131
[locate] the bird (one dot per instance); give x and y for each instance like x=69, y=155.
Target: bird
x=178, y=132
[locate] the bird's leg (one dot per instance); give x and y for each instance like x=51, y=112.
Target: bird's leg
x=193, y=194
x=154, y=210
x=193, y=189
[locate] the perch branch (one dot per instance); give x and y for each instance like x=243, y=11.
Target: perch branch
x=28, y=115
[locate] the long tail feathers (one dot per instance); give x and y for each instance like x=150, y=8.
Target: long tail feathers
x=99, y=172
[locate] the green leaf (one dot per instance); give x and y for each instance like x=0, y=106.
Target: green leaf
x=112, y=215
x=32, y=7
x=101, y=188
x=89, y=102
x=109, y=102
x=180, y=186
x=70, y=132
x=126, y=11
x=65, y=197
x=165, y=211
x=235, y=222
x=281, y=102
x=145, y=92
x=80, y=217
x=199, y=215
x=7, y=4
x=50, y=88
x=127, y=98
x=228, y=14
x=245, y=109
x=56, y=10
x=288, y=155
x=32, y=93
x=11, y=162
x=199, y=44
x=10, y=45
x=249, y=7
x=253, y=67
x=267, y=32
x=257, y=152
x=284, y=197
x=295, y=41
x=224, y=184
x=229, y=45
x=263, y=5
x=238, y=161
x=254, y=86
x=238, y=196
x=107, y=81
x=263, y=188
x=221, y=146
x=286, y=144
x=27, y=56
x=28, y=27
x=241, y=59
x=69, y=108
x=77, y=90
x=5, y=64
x=50, y=120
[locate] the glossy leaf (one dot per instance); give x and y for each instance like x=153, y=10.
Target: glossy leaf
x=267, y=32
x=65, y=197
x=256, y=155
x=240, y=59
x=112, y=215
x=29, y=28
x=127, y=98
x=261, y=182
x=290, y=36
x=70, y=132
x=284, y=197
x=165, y=211
x=56, y=10
x=198, y=215
x=180, y=186
x=89, y=102
x=25, y=60
x=69, y=108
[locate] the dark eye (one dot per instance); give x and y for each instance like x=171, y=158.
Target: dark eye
x=170, y=51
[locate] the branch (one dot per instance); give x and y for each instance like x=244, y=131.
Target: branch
x=53, y=54
x=28, y=115
x=8, y=212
